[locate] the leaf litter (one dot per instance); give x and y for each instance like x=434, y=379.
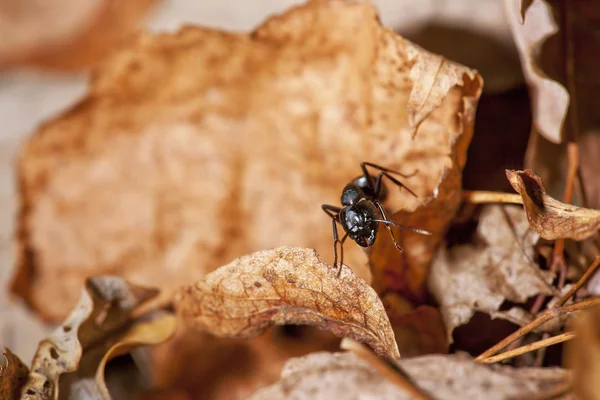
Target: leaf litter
x=69, y=357
x=415, y=112
x=480, y=277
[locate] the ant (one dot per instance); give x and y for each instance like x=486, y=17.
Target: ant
x=361, y=200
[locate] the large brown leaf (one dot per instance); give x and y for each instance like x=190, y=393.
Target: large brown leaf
x=286, y=286
x=330, y=376
x=550, y=218
x=194, y=148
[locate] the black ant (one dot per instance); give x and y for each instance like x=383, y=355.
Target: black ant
x=359, y=216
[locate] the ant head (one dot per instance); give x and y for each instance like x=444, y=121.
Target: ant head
x=358, y=222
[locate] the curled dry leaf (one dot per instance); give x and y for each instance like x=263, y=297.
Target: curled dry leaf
x=152, y=332
x=329, y=376
x=64, y=34
x=583, y=354
x=105, y=306
x=481, y=276
x=235, y=150
x=550, y=218
x=286, y=285
x=13, y=374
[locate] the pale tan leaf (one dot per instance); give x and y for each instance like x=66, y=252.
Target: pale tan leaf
x=13, y=374
x=330, y=376
x=235, y=150
x=480, y=277
x=286, y=285
x=550, y=218
x=104, y=306
x=152, y=332
x=550, y=100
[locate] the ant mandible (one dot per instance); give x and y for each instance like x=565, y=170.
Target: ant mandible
x=361, y=200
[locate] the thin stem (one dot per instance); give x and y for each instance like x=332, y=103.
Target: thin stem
x=485, y=197
x=563, y=337
x=584, y=278
x=542, y=318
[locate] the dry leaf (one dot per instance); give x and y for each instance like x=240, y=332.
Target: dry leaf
x=531, y=25
x=234, y=151
x=13, y=374
x=330, y=376
x=104, y=306
x=583, y=354
x=286, y=285
x=498, y=267
x=153, y=332
x=550, y=218
x=64, y=34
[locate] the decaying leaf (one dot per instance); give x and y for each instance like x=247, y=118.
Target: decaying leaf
x=550, y=218
x=286, y=285
x=13, y=374
x=330, y=376
x=498, y=267
x=583, y=354
x=64, y=34
x=104, y=307
x=152, y=332
x=235, y=149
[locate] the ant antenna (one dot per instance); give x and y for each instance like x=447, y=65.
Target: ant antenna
x=388, y=222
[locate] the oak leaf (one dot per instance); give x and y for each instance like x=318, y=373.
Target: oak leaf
x=235, y=150
x=286, y=285
x=344, y=375
x=497, y=267
x=550, y=218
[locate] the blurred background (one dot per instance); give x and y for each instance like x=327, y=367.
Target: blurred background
x=48, y=49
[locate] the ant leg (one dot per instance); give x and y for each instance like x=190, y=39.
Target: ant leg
x=333, y=212
x=364, y=164
x=339, y=271
x=378, y=204
x=391, y=178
